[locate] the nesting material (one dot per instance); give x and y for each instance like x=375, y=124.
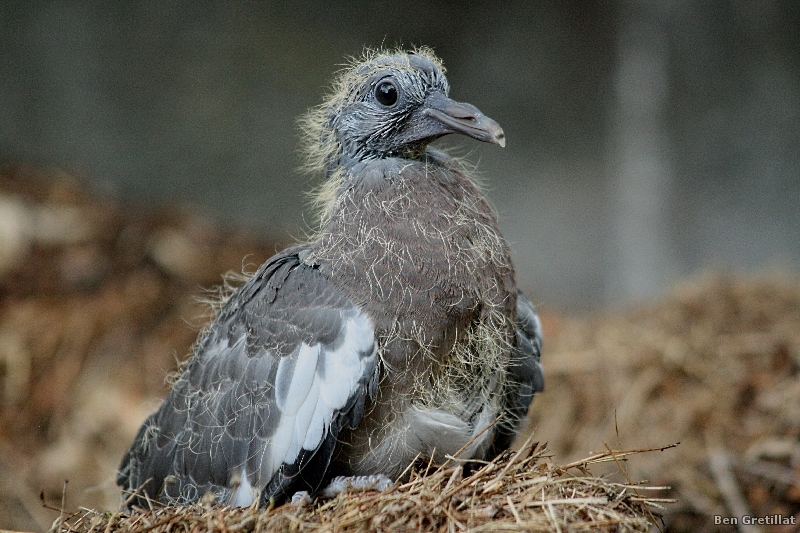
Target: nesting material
x=518, y=492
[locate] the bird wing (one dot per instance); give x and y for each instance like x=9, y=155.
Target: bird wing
x=288, y=362
x=525, y=374
x=526, y=365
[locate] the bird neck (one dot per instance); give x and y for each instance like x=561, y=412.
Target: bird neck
x=344, y=168
x=351, y=154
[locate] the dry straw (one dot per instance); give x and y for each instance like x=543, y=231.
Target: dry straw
x=521, y=491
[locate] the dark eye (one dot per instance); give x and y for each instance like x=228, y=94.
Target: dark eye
x=386, y=93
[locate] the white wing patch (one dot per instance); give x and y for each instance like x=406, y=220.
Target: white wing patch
x=312, y=384
x=298, y=372
x=345, y=366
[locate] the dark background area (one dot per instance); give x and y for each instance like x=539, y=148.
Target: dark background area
x=646, y=141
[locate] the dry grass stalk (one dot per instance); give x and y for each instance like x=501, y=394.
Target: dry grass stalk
x=520, y=491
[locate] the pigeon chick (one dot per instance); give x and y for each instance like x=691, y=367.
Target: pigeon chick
x=396, y=334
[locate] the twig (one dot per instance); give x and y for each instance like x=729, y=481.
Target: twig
x=498, y=480
x=606, y=456
x=627, y=477
x=599, y=500
x=769, y=471
x=722, y=470
x=513, y=510
x=470, y=441
x=552, y=514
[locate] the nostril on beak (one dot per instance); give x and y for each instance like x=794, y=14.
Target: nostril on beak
x=471, y=117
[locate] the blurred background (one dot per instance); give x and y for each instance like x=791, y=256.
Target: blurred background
x=646, y=140
x=148, y=147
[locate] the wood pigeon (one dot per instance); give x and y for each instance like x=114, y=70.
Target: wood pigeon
x=397, y=333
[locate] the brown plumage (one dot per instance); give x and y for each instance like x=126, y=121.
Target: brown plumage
x=397, y=332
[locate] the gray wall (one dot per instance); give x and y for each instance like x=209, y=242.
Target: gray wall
x=646, y=140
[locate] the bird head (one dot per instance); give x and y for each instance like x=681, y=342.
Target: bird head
x=390, y=105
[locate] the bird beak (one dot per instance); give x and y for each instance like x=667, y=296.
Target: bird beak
x=460, y=117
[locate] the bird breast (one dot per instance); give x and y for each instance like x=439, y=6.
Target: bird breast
x=417, y=246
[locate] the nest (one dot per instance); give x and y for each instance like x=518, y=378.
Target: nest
x=520, y=491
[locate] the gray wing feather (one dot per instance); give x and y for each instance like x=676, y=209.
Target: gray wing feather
x=526, y=364
x=288, y=362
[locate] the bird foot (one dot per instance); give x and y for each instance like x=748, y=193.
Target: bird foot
x=341, y=484
x=301, y=498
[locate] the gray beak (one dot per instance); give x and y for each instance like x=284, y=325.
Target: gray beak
x=460, y=117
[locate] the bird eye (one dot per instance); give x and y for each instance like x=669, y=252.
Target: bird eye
x=386, y=93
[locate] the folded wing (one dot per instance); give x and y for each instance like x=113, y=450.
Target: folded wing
x=287, y=364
